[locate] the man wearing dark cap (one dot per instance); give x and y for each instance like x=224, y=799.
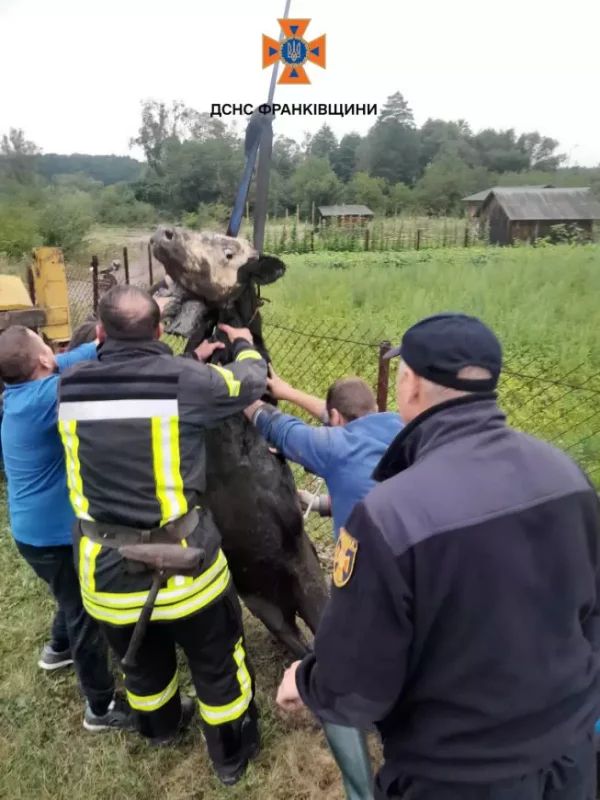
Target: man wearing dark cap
x=464, y=619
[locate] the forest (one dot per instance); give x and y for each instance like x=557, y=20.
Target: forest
x=193, y=163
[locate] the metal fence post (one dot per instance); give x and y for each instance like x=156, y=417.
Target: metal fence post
x=95, y=284
x=31, y=284
x=150, y=270
x=383, y=375
x=126, y=264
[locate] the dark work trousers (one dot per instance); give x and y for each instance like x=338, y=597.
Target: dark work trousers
x=89, y=649
x=571, y=777
x=212, y=640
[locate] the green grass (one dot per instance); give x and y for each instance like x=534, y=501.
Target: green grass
x=542, y=299
x=542, y=303
x=45, y=754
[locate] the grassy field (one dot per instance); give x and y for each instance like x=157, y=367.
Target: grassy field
x=46, y=755
x=324, y=320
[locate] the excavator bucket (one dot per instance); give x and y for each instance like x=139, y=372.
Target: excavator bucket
x=16, y=306
x=49, y=285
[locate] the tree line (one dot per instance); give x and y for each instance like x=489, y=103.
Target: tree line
x=193, y=164
x=193, y=159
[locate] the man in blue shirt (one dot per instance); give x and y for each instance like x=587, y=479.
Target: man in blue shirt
x=344, y=452
x=41, y=515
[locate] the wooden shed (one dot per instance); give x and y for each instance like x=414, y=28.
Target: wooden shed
x=345, y=215
x=475, y=201
x=526, y=215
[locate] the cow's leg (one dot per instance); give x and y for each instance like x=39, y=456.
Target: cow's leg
x=310, y=589
x=272, y=618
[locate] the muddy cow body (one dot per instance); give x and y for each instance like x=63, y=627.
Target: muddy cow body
x=250, y=490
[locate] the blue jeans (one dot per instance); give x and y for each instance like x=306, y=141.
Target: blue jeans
x=72, y=626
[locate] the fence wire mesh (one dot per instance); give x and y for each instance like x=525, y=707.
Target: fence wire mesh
x=561, y=407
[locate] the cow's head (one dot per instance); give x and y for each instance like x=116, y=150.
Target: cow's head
x=223, y=272
x=213, y=267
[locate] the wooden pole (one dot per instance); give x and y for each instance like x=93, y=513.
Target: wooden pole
x=383, y=376
x=126, y=264
x=150, y=267
x=95, y=284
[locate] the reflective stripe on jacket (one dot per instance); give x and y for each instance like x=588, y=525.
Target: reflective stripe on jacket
x=133, y=423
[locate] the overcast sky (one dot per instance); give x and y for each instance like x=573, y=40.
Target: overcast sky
x=73, y=72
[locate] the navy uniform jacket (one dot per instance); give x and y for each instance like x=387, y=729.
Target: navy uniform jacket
x=464, y=617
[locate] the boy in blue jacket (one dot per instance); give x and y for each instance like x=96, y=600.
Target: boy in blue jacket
x=41, y=515
x=344, y=452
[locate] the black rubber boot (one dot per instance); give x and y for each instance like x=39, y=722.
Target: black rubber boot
x=232, y=745
x=188, y=709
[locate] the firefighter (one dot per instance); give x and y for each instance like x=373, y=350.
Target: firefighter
x=132, y=425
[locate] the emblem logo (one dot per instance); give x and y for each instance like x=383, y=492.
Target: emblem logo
x=344, y=558
x=294, y=51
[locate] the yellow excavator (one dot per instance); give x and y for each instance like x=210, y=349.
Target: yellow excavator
x=42, y=304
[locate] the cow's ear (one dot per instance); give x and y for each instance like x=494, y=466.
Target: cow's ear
x=268, y=270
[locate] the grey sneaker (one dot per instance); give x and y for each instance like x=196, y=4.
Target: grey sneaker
x=117, y=717
x=53, y=659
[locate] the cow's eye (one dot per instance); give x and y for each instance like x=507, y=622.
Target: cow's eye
x=228, y=253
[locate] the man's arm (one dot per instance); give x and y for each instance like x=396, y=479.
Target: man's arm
x=357, y=671
x=304, y=444
x=210, y=393
x=284, y=391
x=85, y=352
x=320, y=504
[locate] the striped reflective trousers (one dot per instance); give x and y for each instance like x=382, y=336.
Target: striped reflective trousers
x=212, y=640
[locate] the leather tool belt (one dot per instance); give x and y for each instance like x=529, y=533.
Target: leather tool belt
x=109, y=535
x=160, y=548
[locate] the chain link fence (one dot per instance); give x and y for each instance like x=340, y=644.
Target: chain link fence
x=88, y=282
x=539, y=399
x=560, y=407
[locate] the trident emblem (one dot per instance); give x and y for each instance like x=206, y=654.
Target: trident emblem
x=294, y=50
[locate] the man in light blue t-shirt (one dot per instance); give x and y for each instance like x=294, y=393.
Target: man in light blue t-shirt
x=41, y=515
x=344, y=451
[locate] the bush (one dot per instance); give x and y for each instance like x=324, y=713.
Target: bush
x=66, y=220
x=18, y=231
x=117, y=205
x=208, y=217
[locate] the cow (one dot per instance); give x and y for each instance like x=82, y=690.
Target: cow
x=250, y=490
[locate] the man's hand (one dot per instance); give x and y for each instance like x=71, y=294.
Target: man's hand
x=249, y=412
x=277, y=386
x=237, y=333
x=206, y=349
x=288, y=696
